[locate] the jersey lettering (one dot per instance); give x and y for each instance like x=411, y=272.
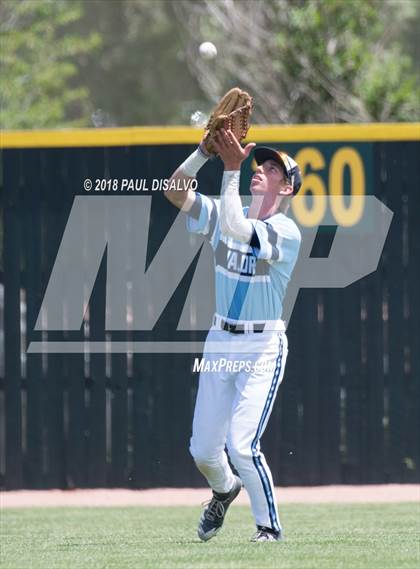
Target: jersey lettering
x=241, y=263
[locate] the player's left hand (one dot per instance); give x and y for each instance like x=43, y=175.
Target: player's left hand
x=230, y=151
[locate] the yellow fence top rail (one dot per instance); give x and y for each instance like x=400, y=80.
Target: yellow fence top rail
x=131, y=136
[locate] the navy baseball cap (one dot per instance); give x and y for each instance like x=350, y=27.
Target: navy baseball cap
x=291, y=169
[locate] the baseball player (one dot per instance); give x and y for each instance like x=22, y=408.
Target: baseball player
x=255, y=252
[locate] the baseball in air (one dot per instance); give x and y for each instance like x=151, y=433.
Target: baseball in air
x=208, y=50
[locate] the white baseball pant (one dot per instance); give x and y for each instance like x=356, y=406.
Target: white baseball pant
x=232, y=409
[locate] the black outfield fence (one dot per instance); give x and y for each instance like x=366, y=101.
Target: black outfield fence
x=348, y=410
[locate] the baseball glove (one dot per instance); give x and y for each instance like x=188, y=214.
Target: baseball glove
x=232, y=112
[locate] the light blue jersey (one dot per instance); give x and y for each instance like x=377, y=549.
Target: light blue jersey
x=251, y=279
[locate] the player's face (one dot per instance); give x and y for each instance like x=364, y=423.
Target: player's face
x=268, y=179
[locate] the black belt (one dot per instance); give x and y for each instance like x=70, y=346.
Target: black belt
x=240, y=328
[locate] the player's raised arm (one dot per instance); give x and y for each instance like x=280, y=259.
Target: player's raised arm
x=233, y=222
x=182, y=177
x=233, y=112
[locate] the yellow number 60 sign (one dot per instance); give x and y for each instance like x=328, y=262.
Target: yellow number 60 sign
x=313, y=184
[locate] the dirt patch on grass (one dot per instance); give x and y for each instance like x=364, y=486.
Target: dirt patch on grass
x=384, y=493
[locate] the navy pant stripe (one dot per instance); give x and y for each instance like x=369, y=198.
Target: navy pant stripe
x=256, y=459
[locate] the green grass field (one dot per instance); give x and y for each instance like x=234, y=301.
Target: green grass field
x=317, y=537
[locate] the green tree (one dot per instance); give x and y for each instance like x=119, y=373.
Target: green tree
x=305, y=60
x=40, y=57
x=140, y=75
x=136, y=62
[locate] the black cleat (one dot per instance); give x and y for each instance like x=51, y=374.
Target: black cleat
x=214, y=515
